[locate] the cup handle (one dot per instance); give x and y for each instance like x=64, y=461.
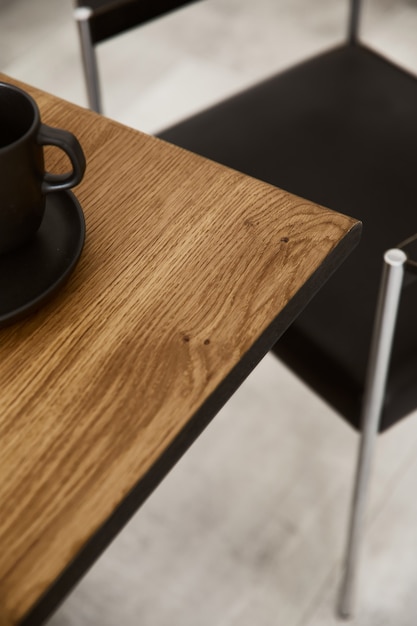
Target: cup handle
x=70, y=145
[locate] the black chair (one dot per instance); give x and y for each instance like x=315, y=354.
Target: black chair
x=99, y=20
x=340, y=129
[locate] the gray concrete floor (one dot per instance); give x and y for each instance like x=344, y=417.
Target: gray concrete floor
x=249, y=527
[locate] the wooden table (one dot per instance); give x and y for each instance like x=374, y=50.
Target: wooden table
x=189, y=274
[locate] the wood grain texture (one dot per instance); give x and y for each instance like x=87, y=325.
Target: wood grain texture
x=186, y=263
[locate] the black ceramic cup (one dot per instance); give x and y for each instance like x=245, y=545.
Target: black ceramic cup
x=23, y=180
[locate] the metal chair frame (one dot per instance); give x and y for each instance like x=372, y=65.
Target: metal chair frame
x=378, y=364
x=82, y=17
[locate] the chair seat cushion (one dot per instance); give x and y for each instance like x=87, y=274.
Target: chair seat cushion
x=340, y=130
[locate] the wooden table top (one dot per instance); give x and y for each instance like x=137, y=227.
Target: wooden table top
x=189, y=274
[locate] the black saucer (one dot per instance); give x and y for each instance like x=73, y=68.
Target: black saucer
x=31, y=275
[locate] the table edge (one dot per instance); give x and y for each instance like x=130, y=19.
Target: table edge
x=96, y=545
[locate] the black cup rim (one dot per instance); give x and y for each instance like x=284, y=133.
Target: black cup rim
x=36, y=115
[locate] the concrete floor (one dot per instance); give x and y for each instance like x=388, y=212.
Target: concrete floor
x=249, y=527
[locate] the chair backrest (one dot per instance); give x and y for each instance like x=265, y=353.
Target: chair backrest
x=111, y=17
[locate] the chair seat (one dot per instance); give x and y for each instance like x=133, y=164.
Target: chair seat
x=341, y=130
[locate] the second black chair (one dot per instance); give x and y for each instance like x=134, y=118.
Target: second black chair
x=99, y=20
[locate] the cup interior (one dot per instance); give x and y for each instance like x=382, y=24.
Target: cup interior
x=17, y=115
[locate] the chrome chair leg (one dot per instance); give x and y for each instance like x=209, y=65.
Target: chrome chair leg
x=379, y=358
x=82, y=16
x=353, y=28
